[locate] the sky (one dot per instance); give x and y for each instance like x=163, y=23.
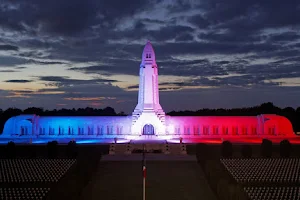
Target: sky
x=210, y=53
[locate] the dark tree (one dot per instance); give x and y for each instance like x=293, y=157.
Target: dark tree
x=266, y=148
x=246, y=151
x=285, y=149
x=33, y=110
x=226, y=149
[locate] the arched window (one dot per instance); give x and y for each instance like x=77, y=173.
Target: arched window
x=149, y=55
x=146, y=55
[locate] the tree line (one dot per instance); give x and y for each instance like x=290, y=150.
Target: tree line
x=266, y=108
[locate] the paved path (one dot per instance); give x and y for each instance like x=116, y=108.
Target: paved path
x=165, y=180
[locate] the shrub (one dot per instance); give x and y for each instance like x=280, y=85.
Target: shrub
x=246, y=151
x=285, y=149
x=226, y=149
x=266, y=148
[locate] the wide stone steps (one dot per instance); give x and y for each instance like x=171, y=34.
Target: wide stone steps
x=175, y=149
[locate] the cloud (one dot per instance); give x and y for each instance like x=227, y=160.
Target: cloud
x=60, y=81
x=251, y=15
x=115, y=66
x=7, y=71
x=45, y=62
x=8, y=47
x=228, y=97
x=65, y=18
x=18, y=81
x=8, y=61
x=133, y=87
x=288, y=36
x=204, y=44
x=184, y=37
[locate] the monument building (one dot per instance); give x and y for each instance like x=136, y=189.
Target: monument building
x=148, y=120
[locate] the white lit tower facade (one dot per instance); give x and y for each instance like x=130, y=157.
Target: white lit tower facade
x=148, y=118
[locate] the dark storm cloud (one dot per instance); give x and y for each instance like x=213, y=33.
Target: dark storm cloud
x=184, y=37
x=44, y=62
x=236, y=81
x=133, y=87
x=230, y=37
x=139, y=31
x=8, y=61
x=289, y=36
x=7, y=71
x=114, y=66
x=169, y=32
x=250, y=75
x=8, y=47
x=191, y=68
x=18, y=81
x=23, y=92
x=295, y=59
x=214, y=48
x=36, y=43
x=60, y=81
x=241, y=32
x=179, y=6
x=153, y=21
x=33, y=54
x=65, y=17
x=198, y=21
x=167, y=67
x=251, y=15
x=228, y=97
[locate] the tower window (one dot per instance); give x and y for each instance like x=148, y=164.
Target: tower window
x=148, y=55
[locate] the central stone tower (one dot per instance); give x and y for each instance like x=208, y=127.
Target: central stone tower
x=148, y=117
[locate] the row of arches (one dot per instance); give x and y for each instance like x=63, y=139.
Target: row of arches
x=220, y=130
x=148, y=129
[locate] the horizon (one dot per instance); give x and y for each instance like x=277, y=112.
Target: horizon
x=210, y=54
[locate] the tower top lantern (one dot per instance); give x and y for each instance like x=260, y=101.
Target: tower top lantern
x=148, y=56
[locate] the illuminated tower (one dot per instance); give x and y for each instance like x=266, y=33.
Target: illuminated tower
x=148, y=117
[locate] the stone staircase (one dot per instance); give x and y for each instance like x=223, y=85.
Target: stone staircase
x=174, y=149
